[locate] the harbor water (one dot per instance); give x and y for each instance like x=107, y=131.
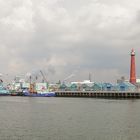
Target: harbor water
x=57, y=118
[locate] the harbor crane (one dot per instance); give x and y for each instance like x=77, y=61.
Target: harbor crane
x=44, y=77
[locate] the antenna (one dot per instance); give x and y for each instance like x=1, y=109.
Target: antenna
x=90, y=77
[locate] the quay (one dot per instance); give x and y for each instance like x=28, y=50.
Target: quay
x=99, y=94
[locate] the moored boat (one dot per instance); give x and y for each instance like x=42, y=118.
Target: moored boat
x=38, y=94
x=3, y=90
x=38, y=90
x=16, y=93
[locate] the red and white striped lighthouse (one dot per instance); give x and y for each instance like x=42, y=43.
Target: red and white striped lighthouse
x=132, y=68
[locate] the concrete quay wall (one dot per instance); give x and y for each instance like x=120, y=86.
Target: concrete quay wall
x=97, y=94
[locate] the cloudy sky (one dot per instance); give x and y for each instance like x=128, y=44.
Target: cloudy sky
x=69, y=38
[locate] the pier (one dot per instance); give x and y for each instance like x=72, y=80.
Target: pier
x=99, y=94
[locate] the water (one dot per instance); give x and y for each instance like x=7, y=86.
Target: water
x=27, y=118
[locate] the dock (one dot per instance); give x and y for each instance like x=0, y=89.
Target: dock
x=99, y=94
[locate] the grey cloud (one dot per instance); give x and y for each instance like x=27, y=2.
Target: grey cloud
x=61, y=36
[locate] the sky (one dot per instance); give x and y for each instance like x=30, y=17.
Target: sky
x=68, y=39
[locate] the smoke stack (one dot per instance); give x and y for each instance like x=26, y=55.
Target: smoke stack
x=132, y=68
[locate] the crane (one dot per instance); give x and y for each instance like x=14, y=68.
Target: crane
x=44, y=78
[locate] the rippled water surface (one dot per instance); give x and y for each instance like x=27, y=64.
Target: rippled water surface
x=27, y=118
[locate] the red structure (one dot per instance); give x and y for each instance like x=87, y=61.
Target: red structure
x=132, y=68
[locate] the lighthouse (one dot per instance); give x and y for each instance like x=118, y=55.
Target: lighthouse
x=132, y=68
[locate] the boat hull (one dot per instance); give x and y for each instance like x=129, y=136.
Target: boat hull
x=46, y=94
x=17, y=94
x=3, y=94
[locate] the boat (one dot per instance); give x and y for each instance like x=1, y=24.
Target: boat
x=38, y=94
x=15, y=89
x=3, y=90
x=16, y=92
x=38, y=90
